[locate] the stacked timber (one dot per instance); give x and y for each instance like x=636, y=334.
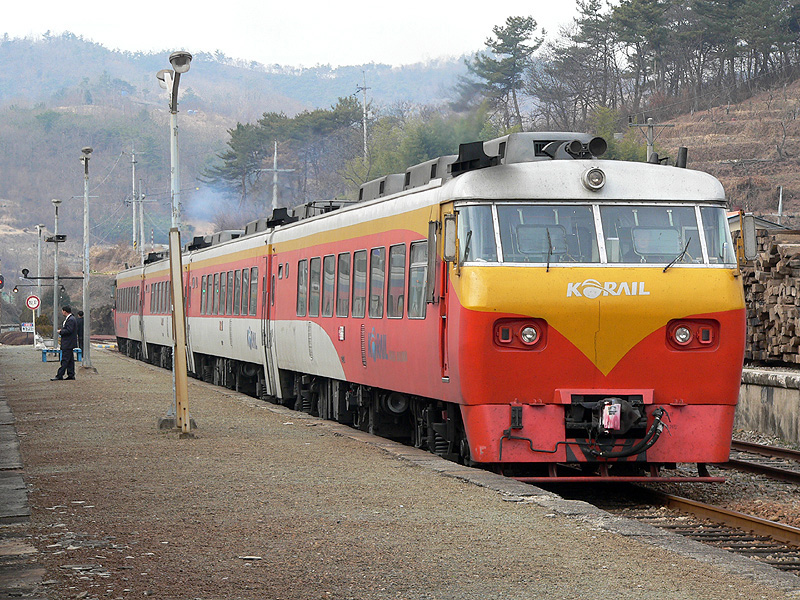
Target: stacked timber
x=772, y=297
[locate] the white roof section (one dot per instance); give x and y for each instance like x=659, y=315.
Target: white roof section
x=562, y=180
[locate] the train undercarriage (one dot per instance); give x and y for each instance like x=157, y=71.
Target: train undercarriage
x=424, y=423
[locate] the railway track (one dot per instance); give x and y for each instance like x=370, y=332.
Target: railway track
x=771, y=461
x=768, y=541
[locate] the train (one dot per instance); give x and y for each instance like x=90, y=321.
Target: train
x=524, y=305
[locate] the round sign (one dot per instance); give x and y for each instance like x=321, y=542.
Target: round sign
x=32, y=302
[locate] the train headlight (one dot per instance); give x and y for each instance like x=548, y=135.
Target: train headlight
x=593, y=179
x=682, y=335
x=529, y=335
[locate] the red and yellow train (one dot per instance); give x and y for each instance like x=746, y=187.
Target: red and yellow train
x=524, y=305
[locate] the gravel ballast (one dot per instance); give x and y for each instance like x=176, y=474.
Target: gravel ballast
x=267, y=503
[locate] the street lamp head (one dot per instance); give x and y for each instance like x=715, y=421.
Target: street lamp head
x=87, y=150
x=180, y=61
x=162, y=79
x=56, y=202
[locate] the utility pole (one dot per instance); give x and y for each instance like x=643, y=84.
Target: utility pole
x=39, y=229
x=87, y=312
x=364, y=89
x=134, y=224
x=650, y=134
x=55, y=238
x=141, y=226
x=275, y=170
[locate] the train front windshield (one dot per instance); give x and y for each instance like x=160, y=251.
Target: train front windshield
x=638, y=234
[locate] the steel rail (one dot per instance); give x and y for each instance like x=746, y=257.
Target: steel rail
x=762, y=469
x=777, y=531
x=770, y=451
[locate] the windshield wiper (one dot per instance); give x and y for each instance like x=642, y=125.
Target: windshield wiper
x=549, y=249
x=466, y=247
x=679, y=257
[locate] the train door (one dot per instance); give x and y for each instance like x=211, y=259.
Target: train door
x=141, y=316
x=268, y=324
x=439, y=271
x=189, y=284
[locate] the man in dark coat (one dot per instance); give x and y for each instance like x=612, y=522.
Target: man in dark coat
x=69, y=341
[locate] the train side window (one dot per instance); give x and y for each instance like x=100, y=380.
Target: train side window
x=203, y=295
x=377, y=279
x=237, y=292
x=328, y=283
x=223, y=292
x=245, y=288
x=343, y=286
x=286, y=270
x=359, y=283
x=229, y=308
x=395, y=297
x=302, y=287
x=280, y=271
x=313, y=287
x=417, y=280
x=253, y=289
x=209, y=293
x=215, y=296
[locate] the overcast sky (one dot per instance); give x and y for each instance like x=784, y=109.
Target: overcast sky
x=294, y=33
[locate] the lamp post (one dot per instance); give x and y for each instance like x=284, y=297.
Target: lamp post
x=169, y=79
x=87, y=322
x=56, y=204
x=39, y=229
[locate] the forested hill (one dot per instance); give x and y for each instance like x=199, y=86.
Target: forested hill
x=68, y=69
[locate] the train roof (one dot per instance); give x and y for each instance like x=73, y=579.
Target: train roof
x=564, y=181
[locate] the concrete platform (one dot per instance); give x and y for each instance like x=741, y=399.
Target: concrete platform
x=19, y=574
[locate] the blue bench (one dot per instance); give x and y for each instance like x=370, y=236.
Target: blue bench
x=56, y=353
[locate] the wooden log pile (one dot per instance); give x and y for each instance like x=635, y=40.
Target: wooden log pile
x=772, y=297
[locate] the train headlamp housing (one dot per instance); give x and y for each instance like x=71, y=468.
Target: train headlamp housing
x=521, y=334
x=693, y=334
x=593, y=179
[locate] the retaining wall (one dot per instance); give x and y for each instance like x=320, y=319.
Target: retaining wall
x=769, y=402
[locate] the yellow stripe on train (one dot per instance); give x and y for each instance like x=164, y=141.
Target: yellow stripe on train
x=603, y=311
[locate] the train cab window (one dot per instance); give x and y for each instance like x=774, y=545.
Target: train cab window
x=328, y=282
x=718, y=235
x=343, y=286
x=546, y=233
x=359, y=283
x=237, y=292
x=245, y=287
x=476, y=240
x=395, y=297
x=377, y=279
x=313, y=287
x=253, y=289
x=417, y=280
x=651, y=234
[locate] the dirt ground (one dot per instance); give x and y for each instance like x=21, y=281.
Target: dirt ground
x=264, y=503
